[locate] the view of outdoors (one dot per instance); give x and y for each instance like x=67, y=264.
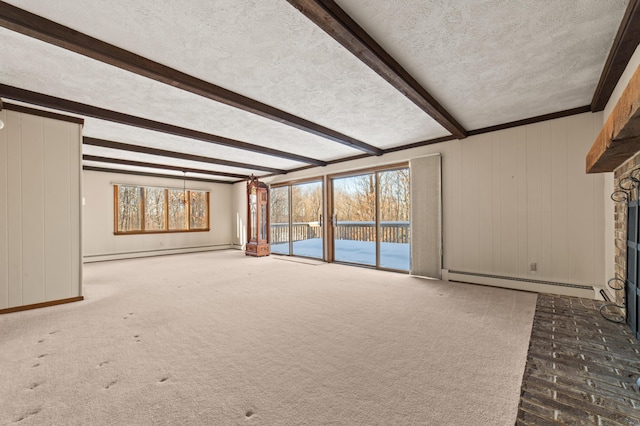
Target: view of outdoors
x=146, y=209
x=355, y=229
x=306, y=219
x=355, y=210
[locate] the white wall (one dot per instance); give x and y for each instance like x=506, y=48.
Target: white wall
x=514, y=197
x=100, y=243
x=40, y=242
x=239, y=206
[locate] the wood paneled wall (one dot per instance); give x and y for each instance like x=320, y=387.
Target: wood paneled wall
x=40, y=241
x=521, y=197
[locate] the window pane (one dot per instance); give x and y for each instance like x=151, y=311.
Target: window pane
x=394, y=219
x=177, y=210
x=154, y=209
x=199, y=218
x=355, y=219
x=129, y=209
x=306, y=215
x=280, y=220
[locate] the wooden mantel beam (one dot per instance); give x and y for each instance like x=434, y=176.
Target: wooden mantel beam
x=619, y=138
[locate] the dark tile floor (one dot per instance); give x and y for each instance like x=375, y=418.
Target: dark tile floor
x=581, y=369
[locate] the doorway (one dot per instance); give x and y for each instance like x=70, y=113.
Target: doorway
x=370, y=218
x=297, y=227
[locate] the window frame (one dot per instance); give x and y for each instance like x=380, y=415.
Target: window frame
x=142, y=189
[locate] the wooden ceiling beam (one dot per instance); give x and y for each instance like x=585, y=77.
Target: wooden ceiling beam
x=624, y=45
x=99, y=159
x=619, y=138
x=35, y=26
x=159, y=175
x=172, y=154
x=338, y=24
x=47, y=101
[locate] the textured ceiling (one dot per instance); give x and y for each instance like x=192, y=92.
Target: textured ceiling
x=487, y=62
x=496, y=61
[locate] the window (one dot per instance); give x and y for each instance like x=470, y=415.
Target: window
x=155, y=210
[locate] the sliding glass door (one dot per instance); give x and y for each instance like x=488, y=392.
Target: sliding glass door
x=296, y=219
x=354, y=219
x=371, y=219
x=279, y=218
x=394, y=205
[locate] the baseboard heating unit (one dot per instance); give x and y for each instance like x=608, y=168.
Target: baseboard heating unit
x=526, y=284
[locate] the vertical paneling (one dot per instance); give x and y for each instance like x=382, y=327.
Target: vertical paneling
x=522, y=201
x=535, y=136
x=470, y=220
x=496, y=200
x=74, y=136
x=526, y=199
x=39, y=210
x=484, y=208
x=453, y=198
x=508, y=189
x=57, y=207
x=4, y=219
x=14, y=208
x=33, y=213
x=580, y=202
x=545, y=265
x=559, y=199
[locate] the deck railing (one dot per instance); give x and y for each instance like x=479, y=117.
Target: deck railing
x=390, y=232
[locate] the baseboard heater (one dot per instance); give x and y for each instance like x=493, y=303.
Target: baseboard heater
x=526, y=280
x=153, y=252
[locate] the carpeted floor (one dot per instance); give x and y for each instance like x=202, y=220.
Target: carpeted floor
x=219, y=338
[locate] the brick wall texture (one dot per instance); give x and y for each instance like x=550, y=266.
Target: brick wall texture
x=620, y=216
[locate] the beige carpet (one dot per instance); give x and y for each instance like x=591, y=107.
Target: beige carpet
x=218, y=338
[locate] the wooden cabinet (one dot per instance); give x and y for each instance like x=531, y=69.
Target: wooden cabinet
x=258, y=218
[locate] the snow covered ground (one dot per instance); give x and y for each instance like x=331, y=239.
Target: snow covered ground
x=392, y=255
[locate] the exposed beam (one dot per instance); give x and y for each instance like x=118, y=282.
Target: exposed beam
x=42, y=113
x=619, y=138
x=160, y=175
x=419, y=144
x=99, y=159
x=130, y=120
x=624, y=45
x=35, y=26
x=172, y=154
x=339, y=25
x=531, y=120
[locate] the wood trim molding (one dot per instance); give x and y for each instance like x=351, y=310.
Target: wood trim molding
x=419, y=144
x=40, y=305
x=41, y=113
x=35, y=26
x=619, y=138
x=532, y=120
x=158, y=175
x=327, y=15
x=120, y=161
x=624, y=45
x=144, y=123
x=173, y=154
